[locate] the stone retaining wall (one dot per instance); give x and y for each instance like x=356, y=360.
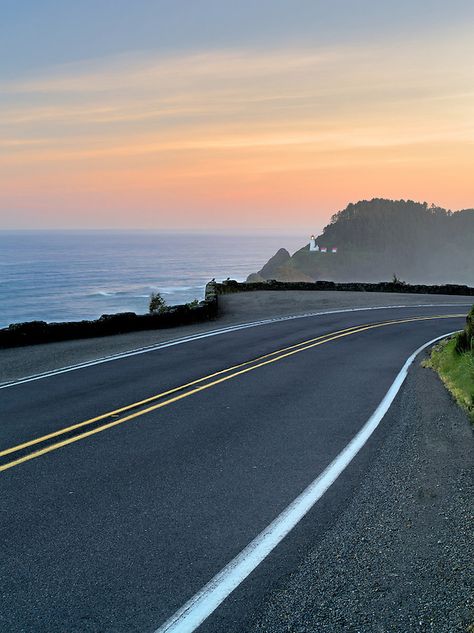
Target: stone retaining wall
x=231, y=286
x=34, y=332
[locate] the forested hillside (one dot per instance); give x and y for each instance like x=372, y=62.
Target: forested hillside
x=378, y=239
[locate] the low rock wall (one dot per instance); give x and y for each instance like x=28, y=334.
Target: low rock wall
x=231, y=286
x=34, y=332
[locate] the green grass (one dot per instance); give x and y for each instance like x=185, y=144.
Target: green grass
x=456, y=370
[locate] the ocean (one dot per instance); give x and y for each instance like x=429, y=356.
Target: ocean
x=69, y=275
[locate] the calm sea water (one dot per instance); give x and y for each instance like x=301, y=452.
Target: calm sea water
x=56, y=276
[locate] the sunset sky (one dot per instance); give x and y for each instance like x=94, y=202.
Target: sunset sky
x=211, y=114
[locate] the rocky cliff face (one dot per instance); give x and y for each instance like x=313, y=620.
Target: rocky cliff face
x=281, y=267
x=378, y=239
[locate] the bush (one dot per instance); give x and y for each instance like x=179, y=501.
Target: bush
x=465, y=339
x=193, y=304
x=397, y=281
x=157, y=304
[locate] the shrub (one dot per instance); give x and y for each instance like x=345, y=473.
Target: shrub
x=397, y=281
x=465, y=339
x=193, y=304
x=157, y=304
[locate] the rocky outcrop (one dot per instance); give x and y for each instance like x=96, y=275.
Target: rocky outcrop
x=281, y=267
x=281, y=257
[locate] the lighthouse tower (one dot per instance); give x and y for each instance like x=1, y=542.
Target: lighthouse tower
x=312, y=244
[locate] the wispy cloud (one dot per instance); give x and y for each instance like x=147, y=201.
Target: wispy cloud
x=128, y=71
x=243, y=115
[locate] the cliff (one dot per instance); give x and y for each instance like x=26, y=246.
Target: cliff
x=282, y=267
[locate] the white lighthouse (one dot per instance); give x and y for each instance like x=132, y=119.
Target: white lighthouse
x=312, y=244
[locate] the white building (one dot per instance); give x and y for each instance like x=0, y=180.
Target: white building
x=315, y=248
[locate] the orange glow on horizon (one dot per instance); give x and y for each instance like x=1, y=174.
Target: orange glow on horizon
x=238, y=139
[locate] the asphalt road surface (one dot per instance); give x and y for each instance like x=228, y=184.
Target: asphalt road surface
x=125, y=487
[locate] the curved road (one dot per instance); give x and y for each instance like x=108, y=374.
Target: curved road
x=127, y=486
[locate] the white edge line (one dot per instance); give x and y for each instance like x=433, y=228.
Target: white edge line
x=202, y=604
x=195, y=337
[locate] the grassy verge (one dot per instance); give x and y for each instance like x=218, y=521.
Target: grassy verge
x=456, y=370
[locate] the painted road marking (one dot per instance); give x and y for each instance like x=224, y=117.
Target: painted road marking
x=157, y=396
x=190, y=616
x=255, y=365
x=202, y=335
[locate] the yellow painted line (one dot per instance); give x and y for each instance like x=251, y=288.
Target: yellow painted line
x=139, y=403
x=155, y=407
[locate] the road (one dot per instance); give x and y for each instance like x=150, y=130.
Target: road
x=127, y=486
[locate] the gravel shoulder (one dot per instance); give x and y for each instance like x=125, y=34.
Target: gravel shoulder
x=237, y=308
x=401, y=557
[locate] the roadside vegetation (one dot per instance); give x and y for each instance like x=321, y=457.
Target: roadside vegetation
x=454, y=361
x=157, y=304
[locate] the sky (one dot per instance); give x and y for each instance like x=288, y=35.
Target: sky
x=257, y=115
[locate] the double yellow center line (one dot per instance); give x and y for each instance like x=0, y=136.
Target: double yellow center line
x=187, y=390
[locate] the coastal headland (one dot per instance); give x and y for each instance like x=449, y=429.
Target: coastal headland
x=383, y=239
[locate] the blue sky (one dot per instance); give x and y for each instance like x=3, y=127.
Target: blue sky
x=39, y=33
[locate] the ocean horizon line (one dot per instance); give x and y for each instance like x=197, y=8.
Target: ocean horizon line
x=156, y=231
